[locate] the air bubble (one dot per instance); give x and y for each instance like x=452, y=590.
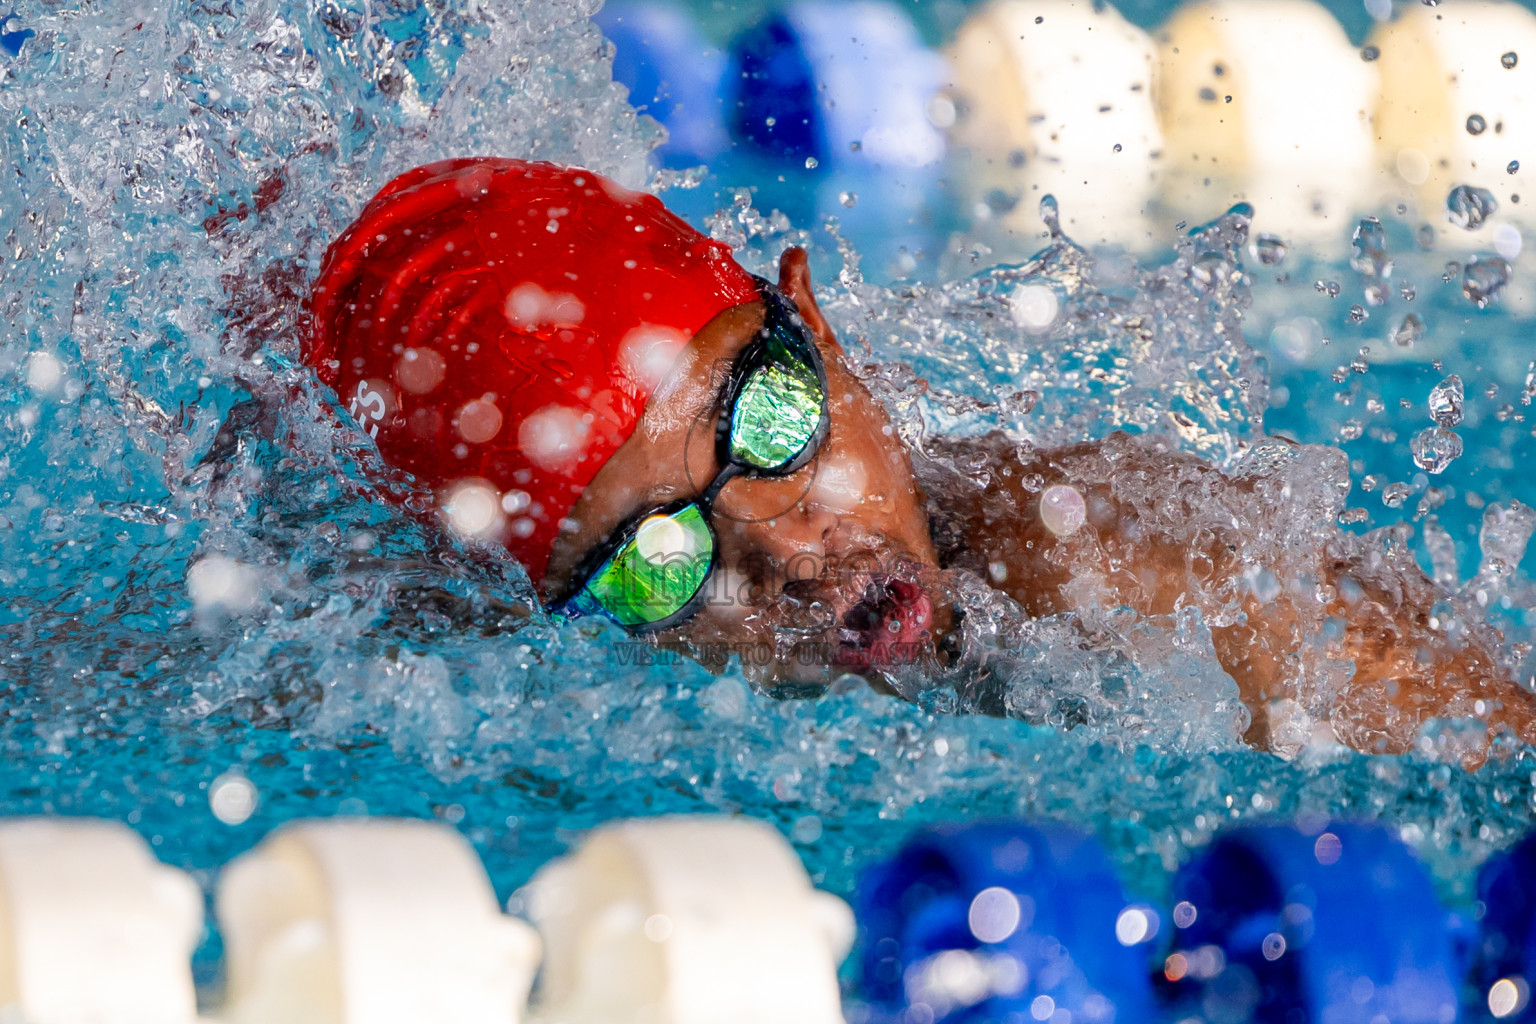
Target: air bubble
x=1510, y=59
x=1476, y=125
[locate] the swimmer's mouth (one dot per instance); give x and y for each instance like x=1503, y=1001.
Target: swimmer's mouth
x=889, y=626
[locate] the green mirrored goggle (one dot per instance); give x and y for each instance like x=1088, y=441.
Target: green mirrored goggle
x=650, y=574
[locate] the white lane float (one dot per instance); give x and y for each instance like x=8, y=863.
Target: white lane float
x=687, y=921
x=369, y=921
x=1056, y=97
x=1266, y=101
x=95, y=930
x=1457, y=106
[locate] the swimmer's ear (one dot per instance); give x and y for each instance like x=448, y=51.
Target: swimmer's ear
x=795, y=283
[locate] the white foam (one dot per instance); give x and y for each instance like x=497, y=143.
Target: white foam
x=218, y=582
x=44, y=373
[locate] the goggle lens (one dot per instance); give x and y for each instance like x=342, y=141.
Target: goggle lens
x=656, y=573
x=778, y=409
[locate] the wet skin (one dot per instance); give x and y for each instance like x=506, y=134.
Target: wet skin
x=797, y=553
x=812, y=557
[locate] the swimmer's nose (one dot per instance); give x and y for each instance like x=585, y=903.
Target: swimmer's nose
x=790, y=534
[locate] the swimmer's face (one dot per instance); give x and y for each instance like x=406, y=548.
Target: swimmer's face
x=824, y=571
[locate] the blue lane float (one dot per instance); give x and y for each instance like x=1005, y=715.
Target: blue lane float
x=1340, y=925
x=1002, y=921
x=673, y=74
x=1504, y=960
x=835, y=102
x=843, y=84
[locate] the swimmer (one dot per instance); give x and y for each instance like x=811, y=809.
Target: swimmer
x=668, y=442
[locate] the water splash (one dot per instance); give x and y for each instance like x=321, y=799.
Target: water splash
x=199, y=575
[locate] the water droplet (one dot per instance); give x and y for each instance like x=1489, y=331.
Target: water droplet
x=1270, y=249
x=811, y=163
x=1328, y=288
x=1483, y=279
x=1409, y=332
x=1393, y=495
x=1434, y=448
x=1513, y=167
x=1507, y=240
x=1510, y=59
x=1000, y=202
x=1476, y=125
x=1117, y=147
x=1468, y=207
x=1407, y=291
x=1445, y=401
x=848, y=199
x=1350, y=430
x=232, y=798
x=1357, y=314
x=1050, y=214
x=1370, y=249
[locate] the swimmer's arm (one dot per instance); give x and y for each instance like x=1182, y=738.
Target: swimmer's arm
x=1404, y=670
x=1409, y=668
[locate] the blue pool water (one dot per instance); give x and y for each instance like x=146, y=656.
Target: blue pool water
x=174, y=172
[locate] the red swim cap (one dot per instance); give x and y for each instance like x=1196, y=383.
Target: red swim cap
x=498, y=326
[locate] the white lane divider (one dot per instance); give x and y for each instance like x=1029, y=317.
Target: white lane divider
x=687, y=921
x=1056, y=97
x=95, y=930
x=1266, y=101
x=369, y=921
x=1458, y=107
